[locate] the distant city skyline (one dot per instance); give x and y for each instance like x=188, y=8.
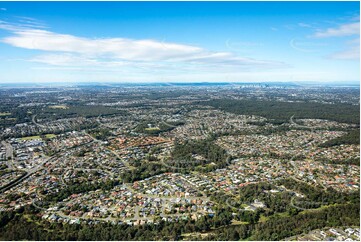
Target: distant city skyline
x=306, y=42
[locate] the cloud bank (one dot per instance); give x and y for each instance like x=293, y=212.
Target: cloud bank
x=65, y=49
x=342, y=30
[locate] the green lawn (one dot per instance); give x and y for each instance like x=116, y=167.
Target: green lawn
x=263, y=218
x=236, y=222
x=152, y=129
x=49, y=136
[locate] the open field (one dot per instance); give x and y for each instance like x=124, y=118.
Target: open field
x=59, y=107
x=152, y=129
x=49, y=136
x=5, y=114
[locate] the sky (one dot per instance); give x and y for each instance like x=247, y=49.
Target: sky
x=313, y=42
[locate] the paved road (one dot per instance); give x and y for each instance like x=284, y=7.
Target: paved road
x=166, y=201
x=298, y=125
x=292, y=159
x=9, y=153
x=28, y=174
x=35, y=169
x=101, y=143
x=33, y=119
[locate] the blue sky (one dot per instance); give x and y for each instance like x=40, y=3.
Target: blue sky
x=179, y=41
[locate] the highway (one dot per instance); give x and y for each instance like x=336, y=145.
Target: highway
x=34, y=121
x=298, y=125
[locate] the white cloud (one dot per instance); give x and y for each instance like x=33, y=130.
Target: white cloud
x=351, y=53
x=112, y=51
x=26, y=22
x=64, y=60
x=141, y=50
x=304, y=25
x=352, y=47
x=342, y=30
x=274, y=29
x=22, y=23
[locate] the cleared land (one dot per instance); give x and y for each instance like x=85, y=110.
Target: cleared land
x=5, y=114
x=49, y=136
x=59, y=107
x=152, y=129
